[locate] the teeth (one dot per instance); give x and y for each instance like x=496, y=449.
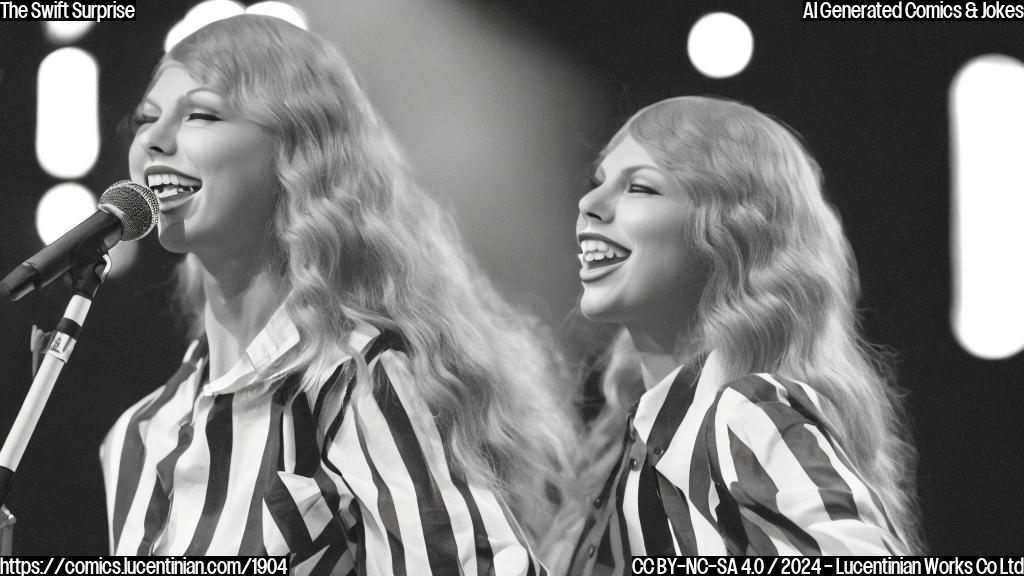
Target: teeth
x=166, y=192
x=168, y=179
x=169, y=191
x=594, y=250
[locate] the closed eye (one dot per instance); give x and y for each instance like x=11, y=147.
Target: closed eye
x=203, y=116
x=641, y=189
x=140, y=119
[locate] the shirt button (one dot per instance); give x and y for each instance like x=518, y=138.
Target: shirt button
x=591, y=550
x=597, y=502
x=659, y=451
x=634, y=464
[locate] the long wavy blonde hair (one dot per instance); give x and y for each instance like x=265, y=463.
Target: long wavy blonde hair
x=782, y=291
x=357, y=240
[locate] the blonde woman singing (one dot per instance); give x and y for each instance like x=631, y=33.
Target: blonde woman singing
x=358, y=396
x=755, y=419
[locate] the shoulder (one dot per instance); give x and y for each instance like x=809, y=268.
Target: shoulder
x=393, y=386
x=387, y=356
x=346, y=367
x=772, y=456
x=759, y=407
x=389, y=368
x=375, y=369
x=771, y=393
x=378, y=414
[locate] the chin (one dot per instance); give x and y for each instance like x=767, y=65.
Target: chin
x=172, y=237
x=597, y=310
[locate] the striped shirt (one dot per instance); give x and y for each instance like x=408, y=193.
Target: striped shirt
x=744, y=468
x=350, y=477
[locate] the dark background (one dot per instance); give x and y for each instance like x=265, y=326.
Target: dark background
x=870, y=99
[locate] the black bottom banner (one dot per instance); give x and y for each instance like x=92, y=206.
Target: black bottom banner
x=125, y=565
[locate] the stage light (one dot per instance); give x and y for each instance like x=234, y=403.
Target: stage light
x=67, y=31
x=62, y=208
x=281, y=10
x=720, y=45
x=67, y=123
x=987, y=112
x=200, y=15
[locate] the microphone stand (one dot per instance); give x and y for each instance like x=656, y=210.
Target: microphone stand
x=86, y=277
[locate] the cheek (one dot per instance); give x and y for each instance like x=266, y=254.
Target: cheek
x=136, y=162
x=204, y=151
x=660, y=235
x=653, y=274
x=664, y=257
x=243, y=180
x=246, y=159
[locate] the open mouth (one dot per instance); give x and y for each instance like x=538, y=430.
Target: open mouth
x=167, y=185
x=601, y=253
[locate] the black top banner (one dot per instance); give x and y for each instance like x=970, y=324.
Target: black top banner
x=913, y=11
x=40, y=11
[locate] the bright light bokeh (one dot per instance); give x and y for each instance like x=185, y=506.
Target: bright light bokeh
x=720, y=45
x=61, y=208
x=212, y=10
x=281, y=10
x=200, y=15
x=987, y=115
x=67, y=31
x=67, y=123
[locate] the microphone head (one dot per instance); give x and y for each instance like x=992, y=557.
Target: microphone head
x=134, y=205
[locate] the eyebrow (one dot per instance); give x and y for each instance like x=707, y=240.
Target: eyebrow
x=185, y=96
x=595, y=168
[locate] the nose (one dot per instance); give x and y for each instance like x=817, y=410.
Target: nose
x=159, y=137
x=599, y=204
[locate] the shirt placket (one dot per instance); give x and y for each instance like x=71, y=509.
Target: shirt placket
x=186, y=435
x=633, y=454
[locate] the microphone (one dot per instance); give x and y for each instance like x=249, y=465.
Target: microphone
x=126, y=211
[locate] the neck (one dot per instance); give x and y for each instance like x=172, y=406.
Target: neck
x=240, y=300
x=659, y=353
